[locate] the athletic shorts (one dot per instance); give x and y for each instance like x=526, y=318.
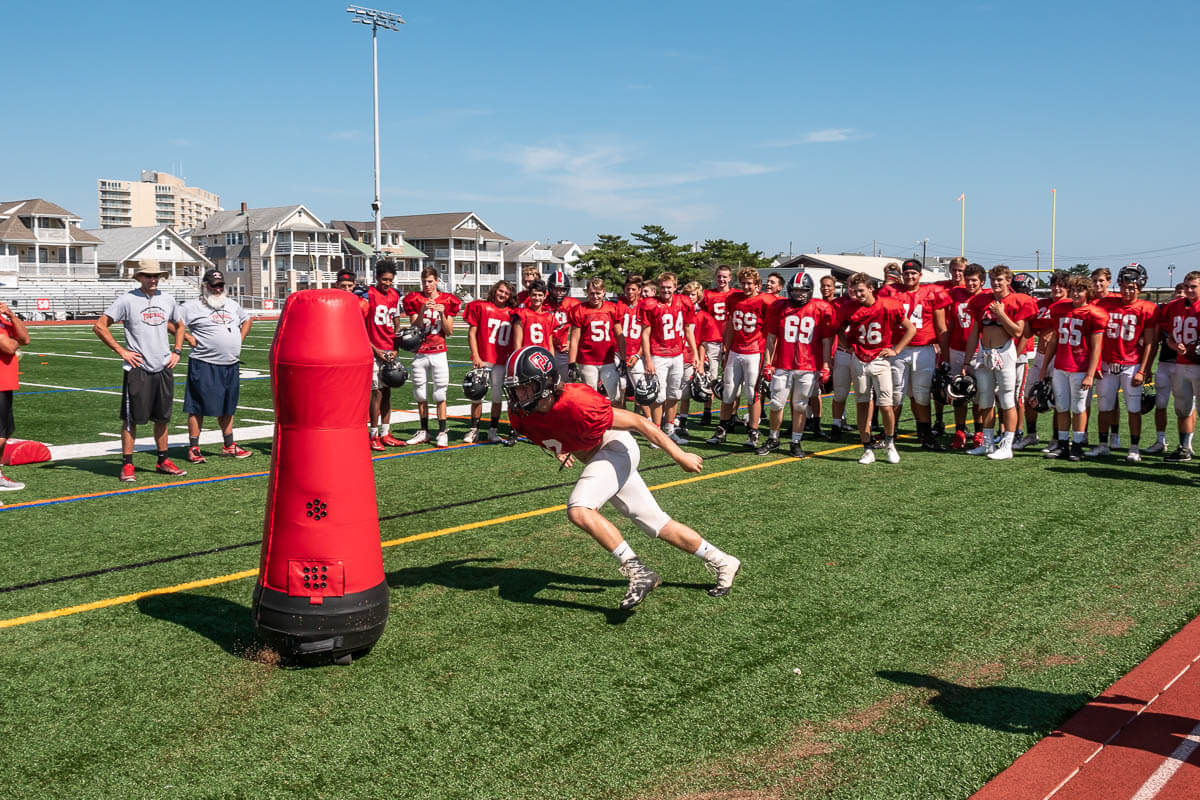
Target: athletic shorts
x=1185, y=387
x=1114, y=377
x=211, y=389
x=1069, y=394
x=996, y=376
x=741, y=372
x=601, y=377
x=792, y=387
x=843, y=374
x=7, y=426
x=147, y=396
x=431, y=377
x=873, y=376
x=670, y=377
x=1164, y=380
x=612, y=477
x=912, y=373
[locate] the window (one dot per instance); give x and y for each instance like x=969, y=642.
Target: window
x=264, y=237
x=234, y=238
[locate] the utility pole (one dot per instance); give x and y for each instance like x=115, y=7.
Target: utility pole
x=391, y=22
x=1038, y=253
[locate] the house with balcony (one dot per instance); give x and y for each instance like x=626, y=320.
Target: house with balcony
x=41, y=240
x=522, y=254
x=121, y=248
x=270, y=252
x=358, y=252
x=467, y=252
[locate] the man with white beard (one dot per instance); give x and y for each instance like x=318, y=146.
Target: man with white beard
x=216, y=327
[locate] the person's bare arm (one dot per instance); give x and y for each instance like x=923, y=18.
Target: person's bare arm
x=628, y=421
x=102, y=331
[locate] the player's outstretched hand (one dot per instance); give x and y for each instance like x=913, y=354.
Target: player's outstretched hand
x=690, y=461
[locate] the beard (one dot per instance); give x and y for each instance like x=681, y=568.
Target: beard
x=213, y=301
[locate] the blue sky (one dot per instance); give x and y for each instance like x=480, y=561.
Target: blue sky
x=798, y=125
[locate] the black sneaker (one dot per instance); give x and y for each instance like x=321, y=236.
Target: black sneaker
x=797, y=450
x=752, y=438
x=1180, y=453
x=642, y=581
x=718, y=436
x=1075, y=453
x=770, y=445
x=835, y=433
x=818, y=432
x=931, y=441
x=706, y=418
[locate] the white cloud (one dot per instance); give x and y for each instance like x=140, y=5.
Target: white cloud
x=823, y=136
x=600, y=179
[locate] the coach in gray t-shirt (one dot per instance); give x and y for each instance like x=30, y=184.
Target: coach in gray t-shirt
x=216, y=325
x=149, y=387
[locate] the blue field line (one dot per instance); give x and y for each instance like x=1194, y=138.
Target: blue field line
x=216, y=479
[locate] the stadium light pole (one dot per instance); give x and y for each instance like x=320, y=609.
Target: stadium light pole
x=392, y=22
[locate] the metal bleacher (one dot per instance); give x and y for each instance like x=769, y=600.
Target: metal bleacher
x=83, y=298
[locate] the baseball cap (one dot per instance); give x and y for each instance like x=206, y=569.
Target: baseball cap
x=214, y=276
x=149, y=267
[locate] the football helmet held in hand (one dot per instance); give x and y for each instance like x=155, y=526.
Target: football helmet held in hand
x=476, y=383
x=393, y=374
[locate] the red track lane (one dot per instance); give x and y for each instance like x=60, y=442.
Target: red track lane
x=1110, y=751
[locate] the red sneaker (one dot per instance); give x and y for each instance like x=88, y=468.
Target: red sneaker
x=978, y=440
x=377, y=443
x=194, y=456
x=236, y=451
x=168, y=468
x=959, y=442
x=391, y=441
x=127, y=473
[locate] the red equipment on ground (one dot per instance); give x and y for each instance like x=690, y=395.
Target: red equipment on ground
x=321, y=587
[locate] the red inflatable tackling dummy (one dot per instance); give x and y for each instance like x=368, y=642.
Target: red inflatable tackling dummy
x=24, y=452
x=321, y=588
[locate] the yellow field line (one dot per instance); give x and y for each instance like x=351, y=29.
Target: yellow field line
x=250, y=573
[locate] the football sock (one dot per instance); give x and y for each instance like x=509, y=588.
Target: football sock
x=127, y=459
x=1079, y=437
x=1006, y=438
x=193, y=441
x=960, y=427
x=774, y=433
x=707, y=552
x=441, y=426
x=1115, y=429
x=1185, y=440
x=475, y=423
x=796, y=437
x=425, y=422
x=989, y=435
x=1160, y=437
x=162, y=456
x=1062, y=436
x=1133, y=441
x=923, y=428
x=228, y=439
x=1032, y=427
x=623, y=552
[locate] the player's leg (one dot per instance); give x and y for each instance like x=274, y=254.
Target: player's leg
x=441, y=384
x=777, y=399
x=881, y=379
x=1164, y=375
x=1080, y=404
x=985, y=395
x=732, y=378
x=804, y=386
x=194, y=408
x=1006, y=398
x=7, y=428
x=422, y=380
x=1184, y=390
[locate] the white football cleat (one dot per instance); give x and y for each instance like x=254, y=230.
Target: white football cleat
x=868, y=457
x=983, y=449
x=893, y=457
x=470, y=436
x=442, y=439
x=420, y=437
x=1133, y=456
x=1001, y=453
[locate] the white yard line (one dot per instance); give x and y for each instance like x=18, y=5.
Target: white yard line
x=112, y=391
x=241, y=434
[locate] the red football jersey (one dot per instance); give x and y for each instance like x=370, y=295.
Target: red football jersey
x=537, y=326
x=1074, y=327
x=576, y=423
x=958, y=317
x=717, y=304
x=919, y=306
x=631, y=326
x=8, y=362
x=949, y=283
x=873, y=328
x=747, y=316
x=890, y=290
x=1180, y=320
x=414, y=303
x=1019, y=307
x=597, y=332
x=799, y=332
x=381, y=309
x=668, y=324
x=707, y=327
x=1122, y=335
x=493, y=330
x=562, y=320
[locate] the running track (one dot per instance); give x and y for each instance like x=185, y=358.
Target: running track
x=1140, y=740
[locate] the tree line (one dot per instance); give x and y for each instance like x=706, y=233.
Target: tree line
x=652, y=250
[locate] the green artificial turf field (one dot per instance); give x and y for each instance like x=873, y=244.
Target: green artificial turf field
x=897, y=631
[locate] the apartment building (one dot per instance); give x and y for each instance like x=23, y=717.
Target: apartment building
x=39, y=239
x=358, y=251
x=159, y=198
x=270, y=252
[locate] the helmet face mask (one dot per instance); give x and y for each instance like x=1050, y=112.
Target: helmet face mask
x=476, y=383
x=645, y=389
x=800, y=288
x=393, y=375
x=961, y=390
x=560, y=285
x=409, y=338
x=1133, y=273
x=529, y=377
x=1023, y=283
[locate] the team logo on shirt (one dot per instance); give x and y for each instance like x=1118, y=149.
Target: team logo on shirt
x=221, y=317
x=154, y=316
